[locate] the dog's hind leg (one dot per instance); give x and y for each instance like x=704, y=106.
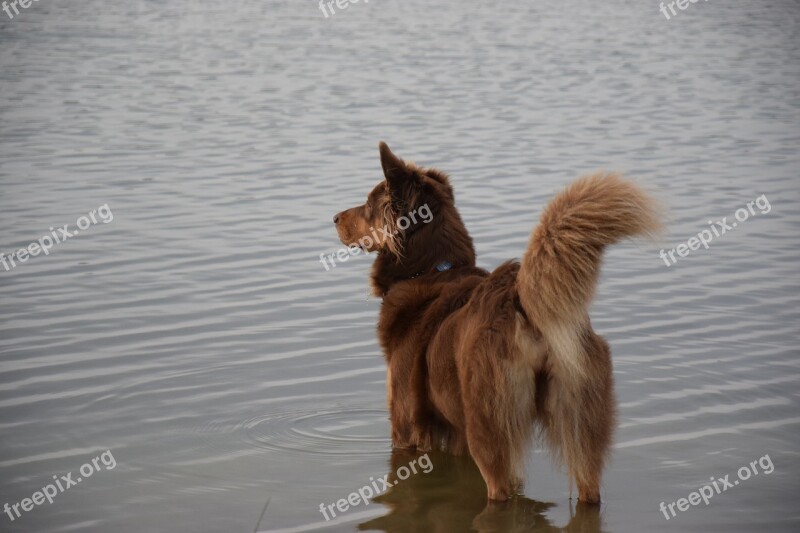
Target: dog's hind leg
x=490, y=448
x=495, y=437
x=580, y=417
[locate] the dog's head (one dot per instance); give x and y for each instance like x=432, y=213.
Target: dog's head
x=400, y=206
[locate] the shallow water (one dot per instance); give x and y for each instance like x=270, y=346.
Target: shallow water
x=198, y=338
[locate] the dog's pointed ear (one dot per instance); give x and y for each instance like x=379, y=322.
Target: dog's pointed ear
x=394, y=168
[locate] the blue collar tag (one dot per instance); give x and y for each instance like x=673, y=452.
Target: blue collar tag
x=446, y=265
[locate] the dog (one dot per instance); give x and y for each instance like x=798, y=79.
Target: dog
x=479, y=362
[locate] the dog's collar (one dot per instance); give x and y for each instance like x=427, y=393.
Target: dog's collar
x=441, y=267
x=444, y=265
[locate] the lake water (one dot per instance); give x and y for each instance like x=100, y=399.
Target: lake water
x=197, y=338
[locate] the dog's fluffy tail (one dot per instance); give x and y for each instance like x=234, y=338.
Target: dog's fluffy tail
x=560, y=268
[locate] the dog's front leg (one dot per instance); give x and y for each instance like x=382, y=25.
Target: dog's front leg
x=401, y=411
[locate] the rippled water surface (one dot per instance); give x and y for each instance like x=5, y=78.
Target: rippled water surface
x=197, y=337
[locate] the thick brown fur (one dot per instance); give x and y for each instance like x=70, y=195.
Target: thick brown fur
x=478, y=361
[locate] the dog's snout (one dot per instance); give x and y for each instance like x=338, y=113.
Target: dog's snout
x=336, y=218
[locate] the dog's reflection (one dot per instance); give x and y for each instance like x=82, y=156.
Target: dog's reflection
x=452, y=498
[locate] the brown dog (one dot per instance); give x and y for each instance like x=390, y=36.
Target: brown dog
x=478, y=360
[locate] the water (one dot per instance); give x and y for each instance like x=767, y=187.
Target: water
x=197, y=337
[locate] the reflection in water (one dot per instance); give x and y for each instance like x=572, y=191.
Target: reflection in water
x=452, y=498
